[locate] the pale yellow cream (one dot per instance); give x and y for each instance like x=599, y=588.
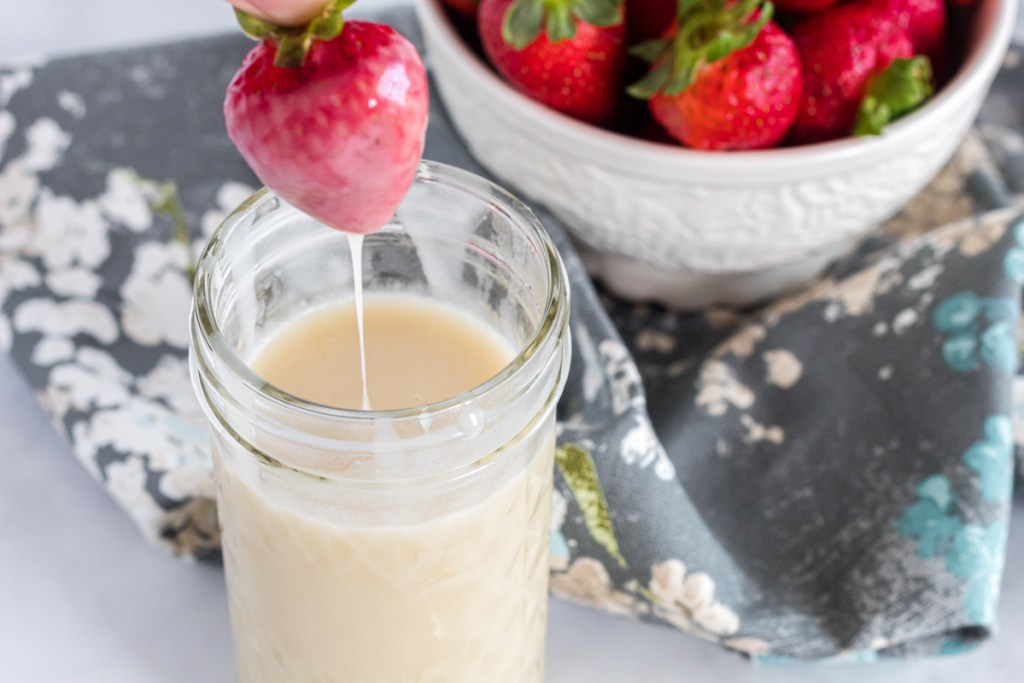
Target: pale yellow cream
x=460, y=598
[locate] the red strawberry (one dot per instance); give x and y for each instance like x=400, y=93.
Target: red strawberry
x=466, y=7
x=647, y=19
x=923, y=20
x=842, y=49
x=574, y=64
x=803, y=5
x=340, y=132
x=746, y=98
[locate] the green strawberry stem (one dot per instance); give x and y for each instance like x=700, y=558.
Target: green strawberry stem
x=898, y=90
x=707, y=31
x=526, y=18
x=293, y=42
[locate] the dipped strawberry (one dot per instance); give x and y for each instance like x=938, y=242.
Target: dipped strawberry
x=843, y=50
x=283, y=12
x=331, y=116
x=567, y=54
x=734, y=86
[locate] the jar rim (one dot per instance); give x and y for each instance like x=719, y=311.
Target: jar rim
x=553, y=321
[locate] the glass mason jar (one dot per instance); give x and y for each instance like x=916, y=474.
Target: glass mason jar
x=406, y=545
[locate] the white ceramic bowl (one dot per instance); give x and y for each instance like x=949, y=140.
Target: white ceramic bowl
x=691, y=228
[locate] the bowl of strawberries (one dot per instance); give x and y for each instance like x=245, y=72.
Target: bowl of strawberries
x=715, y=151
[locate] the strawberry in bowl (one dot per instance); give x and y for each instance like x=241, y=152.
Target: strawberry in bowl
x=691, y=226
x=568, y=54
x=735, y=86
x=854, y=56
x=925, y=23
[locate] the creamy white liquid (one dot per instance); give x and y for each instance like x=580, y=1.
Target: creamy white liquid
x=355, y=250
x=457, y=598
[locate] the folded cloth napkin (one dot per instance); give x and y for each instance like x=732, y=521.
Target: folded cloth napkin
x=828, y=476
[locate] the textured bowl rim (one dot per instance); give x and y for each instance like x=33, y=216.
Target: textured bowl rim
x=648, y=158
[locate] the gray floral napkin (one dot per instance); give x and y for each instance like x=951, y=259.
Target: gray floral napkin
x=827, y=477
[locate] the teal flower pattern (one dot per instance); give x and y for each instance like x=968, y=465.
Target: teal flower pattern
x=1013, y=263
x=992, y=460
x=981, y=332
x=977, y=557
x=1001, y=309
x=929, y=520
x=956, y=646
x=961, y=352
x=958, y=312
x=973, y=552
x=999, y=348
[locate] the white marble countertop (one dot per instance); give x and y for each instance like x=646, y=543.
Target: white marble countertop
x=84, y=599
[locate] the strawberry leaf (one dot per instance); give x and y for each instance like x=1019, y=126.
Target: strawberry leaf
x=719, y=47
x=292, y=49
x=598, y=12
x=329, y=23
x=684, y=6
x=522, y=23
x=706, y=32
x=560, y=24
x=650, y=50
x=526, y=18
x=651, y=84
x=728, y=40
x=327, y=28
x=902, y=87
x=257, y=29
x=753, y=30
x=293, y=42
x=684, y=73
